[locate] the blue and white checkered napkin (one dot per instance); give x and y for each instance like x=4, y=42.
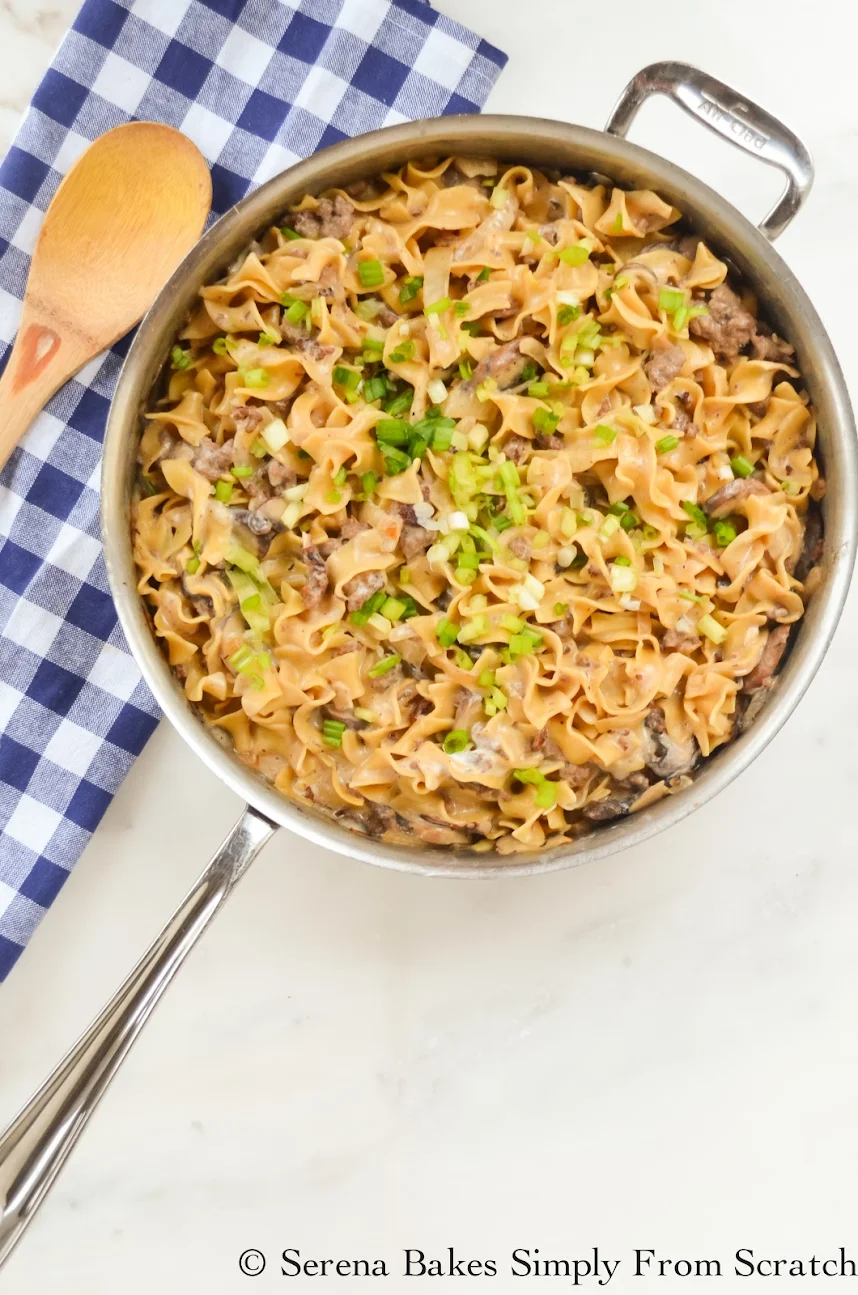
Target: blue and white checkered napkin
x=257, y=84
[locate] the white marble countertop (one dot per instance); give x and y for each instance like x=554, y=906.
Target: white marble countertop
x=658, y=1051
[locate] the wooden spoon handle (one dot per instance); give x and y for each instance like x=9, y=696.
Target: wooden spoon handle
x=45, y=355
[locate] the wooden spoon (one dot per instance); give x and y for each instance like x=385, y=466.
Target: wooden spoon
x=122, y=219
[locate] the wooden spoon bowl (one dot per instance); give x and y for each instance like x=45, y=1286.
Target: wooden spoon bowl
x=119, y=224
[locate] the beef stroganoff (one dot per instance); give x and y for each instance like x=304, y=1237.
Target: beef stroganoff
x=477, y=505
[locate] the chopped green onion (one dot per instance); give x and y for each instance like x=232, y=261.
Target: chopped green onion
x=393, y=609
x=619, y=508
x=680, y=318
x=267, y=339
x=395, y=461
x=446, y=632
x=392, y=431
x=666, y=444
x=259, y=449
x=501, y=522
x=297, y=312
x=545, y=795
x=486, y=679
x=374, y=389
x=724, y=533
x=466, y=371
x=532, y=777
x=410, y=288
x=715, y=632
x=192, y=565
x=525, y=643
x=368, y=482
x=442, y=435
x=243, y=470
x=404, y=351
x=544, y=421
x=437, y=307
x=290, y=233
x=574, y=255
x=461, y=309
x=374, y=345
x=560, y=609
x=606, y=435
x=180, y=358
x=622, y=561
x=483, y=275
x=369, y=608
x=340, y=477
x=368, y=308
x=240, y=659
x=629, y=521
x=223, y=491
x=689, y=596
x=253, y=377
x=568, y=314
x=695, y=512
x=332, y=732
x=538, y=389
x=742, y=466
x=219, y=345
x=669, y=299
x=617, y=227
x=348, y=378
x=456, y=741
x=384, y=666
x=401, y=403
x=371, y=273
x=242, y=558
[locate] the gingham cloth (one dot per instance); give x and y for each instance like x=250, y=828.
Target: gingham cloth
x=257, y=85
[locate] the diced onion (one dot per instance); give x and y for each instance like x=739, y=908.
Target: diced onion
x=523, y=598
x=565, y=557
x=725, y=472
x=437, y=392
x=646, y=413
x=568, y=523
x=275, y=435
x=586, y=357
x=623, y=579
x=534, y=586
x=609, y=527
x=380, y=623
x=291, y=513
x=458, y=521
x=567, y=298
x=437, y=553
x=424, y=512
x=478, y=436
x=628, y=603
x=296, y=492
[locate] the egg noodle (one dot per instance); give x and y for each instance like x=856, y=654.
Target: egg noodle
x=476, y=507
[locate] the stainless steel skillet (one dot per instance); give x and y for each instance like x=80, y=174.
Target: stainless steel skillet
x=35, y=1146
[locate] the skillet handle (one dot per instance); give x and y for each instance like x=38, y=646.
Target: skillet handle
x=35, y=1146
x=729, y=114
